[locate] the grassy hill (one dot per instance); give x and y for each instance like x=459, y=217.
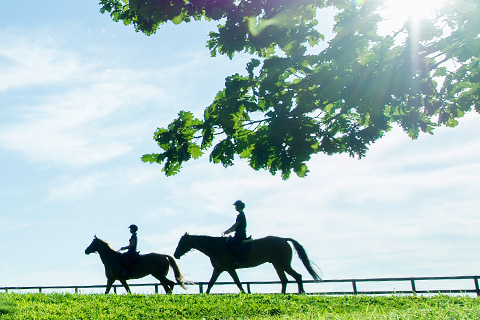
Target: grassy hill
x=234, y=306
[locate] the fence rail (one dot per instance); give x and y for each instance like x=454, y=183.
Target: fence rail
x=373, y=286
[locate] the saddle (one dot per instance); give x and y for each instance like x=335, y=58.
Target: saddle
x=128, y=259
x=243, y=247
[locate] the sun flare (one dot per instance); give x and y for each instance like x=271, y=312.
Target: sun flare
x=413, y=9
x=396, y=12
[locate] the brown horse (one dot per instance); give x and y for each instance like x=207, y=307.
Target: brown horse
x=153, y=263
x=275, y=250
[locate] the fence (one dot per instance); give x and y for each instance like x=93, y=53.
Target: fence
x=375, y=286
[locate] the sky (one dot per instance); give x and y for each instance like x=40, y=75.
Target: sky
x=80, y=99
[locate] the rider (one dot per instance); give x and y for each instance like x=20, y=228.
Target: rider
x=128, y=257
x=240, y=228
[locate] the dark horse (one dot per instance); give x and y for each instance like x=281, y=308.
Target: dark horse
x=275, y=250
x=153, y=263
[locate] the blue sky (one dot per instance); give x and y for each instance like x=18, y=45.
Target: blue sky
x=80, y=99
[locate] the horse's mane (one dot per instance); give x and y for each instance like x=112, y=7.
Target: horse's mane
x=210, y=239
x=105, y=243
x=204, y=236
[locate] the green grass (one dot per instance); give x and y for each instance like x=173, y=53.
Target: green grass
x=6, y=307
x=238, y=306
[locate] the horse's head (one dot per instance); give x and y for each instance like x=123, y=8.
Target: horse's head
x=184, y=245
x=93, y=247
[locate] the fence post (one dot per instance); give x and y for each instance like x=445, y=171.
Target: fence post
x=477, y=288
x=156, y=288
x=200, y=287
x=115, y=289
x=414, y=289
x=248, y=287
x=354, y=285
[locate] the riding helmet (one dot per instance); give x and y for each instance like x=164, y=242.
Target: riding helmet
x=134, y=227
x=240, y=204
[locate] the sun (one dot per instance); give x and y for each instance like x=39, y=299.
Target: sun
x=413, y=9
x=396, y=12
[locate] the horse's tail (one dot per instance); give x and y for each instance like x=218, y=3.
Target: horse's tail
x=302, y=254
x=176, y=271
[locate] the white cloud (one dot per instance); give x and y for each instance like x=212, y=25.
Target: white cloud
x=85, y=185
x=85, y=116
x=8, y=224
x=33, y=60
x=76, y=188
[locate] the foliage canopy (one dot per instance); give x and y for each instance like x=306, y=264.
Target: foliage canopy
x=301, y=95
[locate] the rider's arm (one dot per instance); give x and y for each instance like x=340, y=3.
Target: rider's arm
x=231, y=229
x=131, y=245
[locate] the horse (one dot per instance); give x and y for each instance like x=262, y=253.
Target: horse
x=154, y=264
x=271, y=249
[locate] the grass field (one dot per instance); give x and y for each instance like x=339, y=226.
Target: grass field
x=235, y=306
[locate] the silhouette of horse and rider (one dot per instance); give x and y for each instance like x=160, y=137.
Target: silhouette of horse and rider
x=132, y=265
x=225, y=253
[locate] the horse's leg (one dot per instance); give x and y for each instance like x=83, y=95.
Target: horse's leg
x=298, y=277
x=216, y=273
x=164, y=281
x=125, y=285
x=283, y=278
x=234, y=275
x=167, y=284
x=110, y=282
x=170, y=284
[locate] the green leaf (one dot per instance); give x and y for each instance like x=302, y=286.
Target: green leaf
x=195, y=151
